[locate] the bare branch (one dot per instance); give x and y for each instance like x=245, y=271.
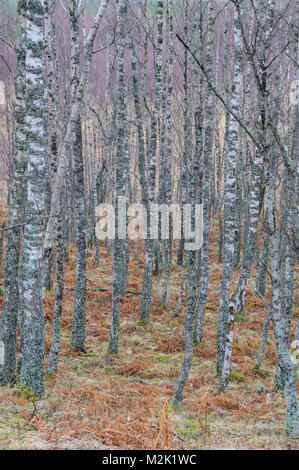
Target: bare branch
x=221, y=98
x=8, y=43
x=121, y=36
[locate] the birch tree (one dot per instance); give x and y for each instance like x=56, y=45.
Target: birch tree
x=121, y=182
x=32, y=371
x=149, y=244
x=78, y=330
x=224, y=343
x=16, y=213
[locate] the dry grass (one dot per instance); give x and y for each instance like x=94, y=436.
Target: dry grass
x=124, y=402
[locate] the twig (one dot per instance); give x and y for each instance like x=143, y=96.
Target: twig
x=122, y=35
x=264, y=301
x=176, y=435
x=34, y=412
x=218, y=94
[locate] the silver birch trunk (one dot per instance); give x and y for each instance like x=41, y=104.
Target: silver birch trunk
x=32, y=369
x=15, y=215
x=121, y=180
x=225, y=334
x=146, y=299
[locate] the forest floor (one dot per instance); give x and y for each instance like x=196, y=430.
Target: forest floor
x=101, y=401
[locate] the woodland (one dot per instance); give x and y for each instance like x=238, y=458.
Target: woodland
x=137, y=340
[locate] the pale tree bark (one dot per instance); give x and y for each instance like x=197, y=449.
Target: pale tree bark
x=169, y=148
x=32, y=370
x=191, y=289
x=2, y=230
x=206, y=180
x=225, y=324
x=146, y=299
x=15, y=215
x=56, y=337
x=263, y=266
x=287, y=375
x=121, y=180
x=75, y=112
x=50, y=118
x=257, y=189
x=78, y=330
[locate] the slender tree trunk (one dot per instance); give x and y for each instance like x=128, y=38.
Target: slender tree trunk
x=121, y=183
x=207, y=158
x=1, y=242
x=225, y=334
x=15, y=215
x=32, y=371
x=146, y=299
x=56, y=339
x=78, y=331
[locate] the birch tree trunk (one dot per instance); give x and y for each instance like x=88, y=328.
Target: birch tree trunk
x=146, y=299
x=78, y=330
x=15, y=215
x=192, y=292
x=56, y=337
x=75, y=112
x=169, y=150
x=207, y=158
x=121, y=182
x=224, y=342
x=32, y=370
x=2, y=231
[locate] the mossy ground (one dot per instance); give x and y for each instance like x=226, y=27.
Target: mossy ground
x=100, y=401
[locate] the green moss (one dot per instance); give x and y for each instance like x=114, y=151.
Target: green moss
x=235, y=377
x=191, y=430
x=114, y=354
x=26, y=393
x=50, y=290
x=173, y=407
x=50, y=376
x=164, y=357
x=142, y=323
x=253, y=344
x=239, y=317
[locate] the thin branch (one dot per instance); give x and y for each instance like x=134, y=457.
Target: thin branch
x=123, y=35
x=294, y=60
x=219, y=95
x=285, y=155
x=274, y=58
x=264, y=301
x=64, y=7
x=98, y=118
x=6, y=63
x=8, y=43
x=22, y=224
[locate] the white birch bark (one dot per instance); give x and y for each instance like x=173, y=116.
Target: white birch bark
x=32, y=370
x=224, y=343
